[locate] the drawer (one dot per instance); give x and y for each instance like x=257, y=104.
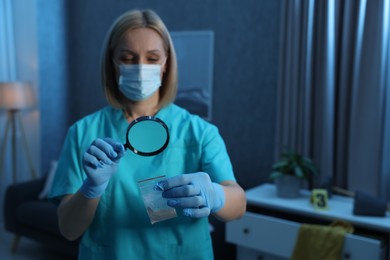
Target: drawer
x=277, y=237
x=263, y=233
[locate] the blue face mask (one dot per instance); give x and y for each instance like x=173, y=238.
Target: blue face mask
x=139, y=81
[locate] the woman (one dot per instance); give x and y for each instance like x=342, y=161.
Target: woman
x=96, y=179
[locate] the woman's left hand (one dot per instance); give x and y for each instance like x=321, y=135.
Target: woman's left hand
x=194, y=192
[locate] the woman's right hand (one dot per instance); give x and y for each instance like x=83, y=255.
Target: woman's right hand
x=100, y=162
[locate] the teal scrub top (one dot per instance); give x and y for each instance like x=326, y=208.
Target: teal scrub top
x=121, y=228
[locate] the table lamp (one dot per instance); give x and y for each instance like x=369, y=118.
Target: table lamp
x=14, y=97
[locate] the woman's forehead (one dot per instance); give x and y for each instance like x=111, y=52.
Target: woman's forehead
x=142, y=40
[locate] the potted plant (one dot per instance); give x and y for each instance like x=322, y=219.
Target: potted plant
x=289, y=172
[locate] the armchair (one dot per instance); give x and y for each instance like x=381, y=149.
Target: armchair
x=27, y=215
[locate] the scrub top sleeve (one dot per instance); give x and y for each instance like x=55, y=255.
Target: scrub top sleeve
x=215, y=159
x=69, y=175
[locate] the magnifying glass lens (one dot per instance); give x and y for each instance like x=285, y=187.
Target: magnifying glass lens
x=147, y=136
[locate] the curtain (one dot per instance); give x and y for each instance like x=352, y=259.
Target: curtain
x=7, y=50
x=332, y=88
x=7, y=73
x=385, y=173
x=19, y=62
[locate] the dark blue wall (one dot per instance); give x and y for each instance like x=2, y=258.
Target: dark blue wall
x=54, y=77
x=245, y=67
x=245, y=71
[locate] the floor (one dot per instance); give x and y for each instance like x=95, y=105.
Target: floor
x=27, y=249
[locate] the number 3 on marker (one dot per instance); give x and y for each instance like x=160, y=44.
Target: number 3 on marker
x=319, y=198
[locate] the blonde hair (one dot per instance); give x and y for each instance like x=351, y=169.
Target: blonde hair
x=132, y=20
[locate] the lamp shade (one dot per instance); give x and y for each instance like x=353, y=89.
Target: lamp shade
x=16, y=95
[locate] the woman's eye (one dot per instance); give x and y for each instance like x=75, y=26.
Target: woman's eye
x=127, y=61
x=153, y=60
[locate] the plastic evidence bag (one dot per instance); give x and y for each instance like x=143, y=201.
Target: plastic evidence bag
x=156, y=206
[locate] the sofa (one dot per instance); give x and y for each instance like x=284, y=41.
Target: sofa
x=28, y=215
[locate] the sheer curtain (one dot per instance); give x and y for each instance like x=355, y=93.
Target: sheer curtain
x=385, y=176
x=7, y=73
x=7, y=50
x=19, y=61
x=332, y=89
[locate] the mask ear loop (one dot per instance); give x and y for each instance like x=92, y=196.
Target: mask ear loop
x=114, y=61
x=164, y=61
x=116, y=70
x=163, y=65
x=163, y=71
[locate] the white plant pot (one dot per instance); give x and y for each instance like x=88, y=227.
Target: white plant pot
x=288, y=186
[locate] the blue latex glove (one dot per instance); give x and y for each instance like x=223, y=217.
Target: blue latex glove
x=100, y=162
x=194, y=192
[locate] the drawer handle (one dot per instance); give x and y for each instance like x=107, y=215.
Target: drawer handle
x=246, y=230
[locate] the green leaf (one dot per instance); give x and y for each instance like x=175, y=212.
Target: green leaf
x=275, y=175
x=280, y=164
x=293, y=163
x=298, y=172
x=310, y=168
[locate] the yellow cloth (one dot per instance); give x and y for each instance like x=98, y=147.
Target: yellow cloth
x=319, y=242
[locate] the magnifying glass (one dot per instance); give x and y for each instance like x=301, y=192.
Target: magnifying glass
x=147, y=136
